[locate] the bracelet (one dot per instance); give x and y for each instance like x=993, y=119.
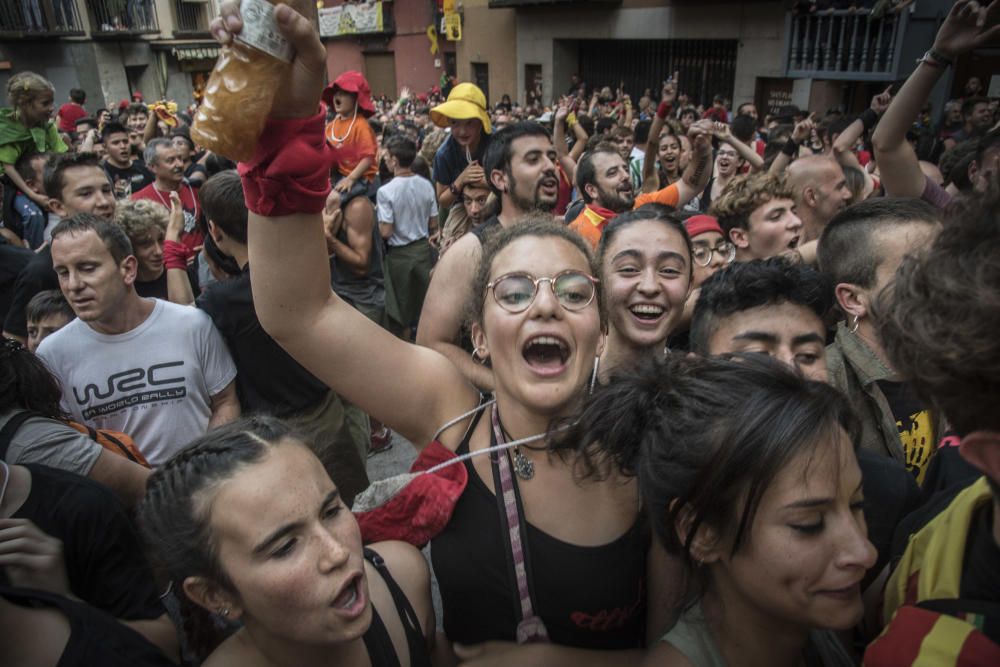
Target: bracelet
x=663, y=109
x=176, y=255
x=868, y=118
x=455, y=191
x=290, y=169
x=935, y=59
x=791, y=148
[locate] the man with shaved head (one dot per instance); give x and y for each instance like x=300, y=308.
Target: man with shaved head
x=820, y=192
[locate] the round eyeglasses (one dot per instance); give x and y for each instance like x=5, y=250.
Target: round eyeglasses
x=515, y=292
x=703, y=254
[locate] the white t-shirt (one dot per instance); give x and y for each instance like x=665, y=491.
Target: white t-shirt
x=154, y=383
x=408, y=203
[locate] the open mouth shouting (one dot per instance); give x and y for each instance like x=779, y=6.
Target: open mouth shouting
x=351, y=601
x=549, y=185
x=546, y=355
x=794, y=242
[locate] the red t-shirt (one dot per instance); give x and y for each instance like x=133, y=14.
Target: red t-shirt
x=68, y=114
x=192, y=236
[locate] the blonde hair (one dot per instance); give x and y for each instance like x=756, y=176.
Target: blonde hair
x=138, y=217
x=746, y=194
x=24, y=87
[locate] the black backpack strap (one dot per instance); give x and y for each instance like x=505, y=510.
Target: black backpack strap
x=9, y=430
x=93, y=434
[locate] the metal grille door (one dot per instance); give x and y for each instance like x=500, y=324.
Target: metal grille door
x=707, y=66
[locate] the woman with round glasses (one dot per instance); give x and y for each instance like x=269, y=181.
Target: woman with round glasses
x=645, y=258
x=537, y=318
x=710, y=251
x=581, y=545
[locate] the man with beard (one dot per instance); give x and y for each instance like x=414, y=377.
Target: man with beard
x=167, y=165
x=604, y=182
x=521, y=169
x=127, y=175
x=820, y=191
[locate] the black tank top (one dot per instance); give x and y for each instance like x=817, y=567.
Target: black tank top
x=381, y=652
x=95, y=638
x=588, y=597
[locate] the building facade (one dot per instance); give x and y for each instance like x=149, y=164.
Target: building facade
x=111, y=48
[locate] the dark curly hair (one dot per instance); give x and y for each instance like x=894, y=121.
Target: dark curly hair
x=745, y=285
x=26, y=383
x=938, y=321
x=706, y=435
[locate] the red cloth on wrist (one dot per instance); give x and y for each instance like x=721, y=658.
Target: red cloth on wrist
x=664, y=109
x=290, y=170
x=176, y=255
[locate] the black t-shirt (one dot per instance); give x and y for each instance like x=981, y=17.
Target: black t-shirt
x=981, y=569
x=95, y=638
x=891, y=493
x=916, y=433
x=267, y=378
x=104, y=562
x=156, y=288
x=37, y=276
x=12, y=262
x=131, y=179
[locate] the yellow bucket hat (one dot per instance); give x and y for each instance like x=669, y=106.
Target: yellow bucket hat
x=465, y=101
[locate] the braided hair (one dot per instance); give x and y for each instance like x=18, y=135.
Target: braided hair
x=174, y=514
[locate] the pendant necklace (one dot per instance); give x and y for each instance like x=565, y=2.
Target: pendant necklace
x=523, y=466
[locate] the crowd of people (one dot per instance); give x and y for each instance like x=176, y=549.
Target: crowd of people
x=687, y=385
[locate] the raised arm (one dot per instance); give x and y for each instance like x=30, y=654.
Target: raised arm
x=725, y=135
x=291, y=271
x=967, y=26
x=651, y=179
x=802, y=130
x=176, y=255
x=559, y=140
x=695, y=177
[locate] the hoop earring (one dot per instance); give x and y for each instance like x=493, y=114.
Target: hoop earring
x=855, y=323
x=224, y=612
x=479, y=357
x=593, y=374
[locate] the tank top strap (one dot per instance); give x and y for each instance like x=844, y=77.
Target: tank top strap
x=411, y=624
x=484, y=402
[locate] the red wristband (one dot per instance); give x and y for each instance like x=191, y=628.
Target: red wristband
x=290, y=170
x=663, y=109
x=175, y=255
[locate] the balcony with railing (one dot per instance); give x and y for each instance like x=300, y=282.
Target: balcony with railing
x=845, y=44
x=38, y=19
x=191, y=18
x=117, y=19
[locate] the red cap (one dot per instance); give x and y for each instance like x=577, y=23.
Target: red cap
x=352, y=82
x=137, y=96
x=697, y=225
x=123, y=104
